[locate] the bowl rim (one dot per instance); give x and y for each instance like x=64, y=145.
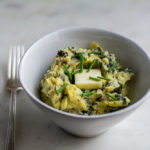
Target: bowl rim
x=46, y=106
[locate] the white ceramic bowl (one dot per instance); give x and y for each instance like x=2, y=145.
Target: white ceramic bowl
x=39, y=56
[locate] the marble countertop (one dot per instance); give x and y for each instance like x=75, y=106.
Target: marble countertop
x=23, y=22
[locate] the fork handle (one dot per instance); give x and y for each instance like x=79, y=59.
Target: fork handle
x=10, y=139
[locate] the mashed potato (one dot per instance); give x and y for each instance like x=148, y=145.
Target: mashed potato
x=86, y=81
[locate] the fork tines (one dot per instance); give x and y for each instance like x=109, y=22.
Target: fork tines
x=15, y=55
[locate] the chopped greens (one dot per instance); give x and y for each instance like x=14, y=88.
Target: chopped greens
x=80, y=55
x=98, y=99
x=112, y=97
x=82, y=58
x=103, y=78
x=81, y=64
x=62, y=88
x=68, y=73
x=75, y=72
x=88, y=93
x=97, y=53
x=95, y=79
x=92, y=64
x=112, y=67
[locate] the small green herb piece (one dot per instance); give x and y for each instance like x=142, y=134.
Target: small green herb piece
x=75, y=72
x=112, y=97
x=80, y=55
x=88, y=93
x=96, y=53
x=82, y=58
x=81, y=64
x=103, y=78
x=92, y=64
x=95, y=79
x=62, y=88
x=68, y=73
x=112, y=67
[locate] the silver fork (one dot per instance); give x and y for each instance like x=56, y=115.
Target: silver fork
x=13, y=85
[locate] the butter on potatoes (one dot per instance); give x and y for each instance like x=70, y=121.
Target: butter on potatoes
x=82, y=80
x=64, y=87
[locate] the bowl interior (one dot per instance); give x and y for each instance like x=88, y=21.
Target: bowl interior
x=39, y=56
